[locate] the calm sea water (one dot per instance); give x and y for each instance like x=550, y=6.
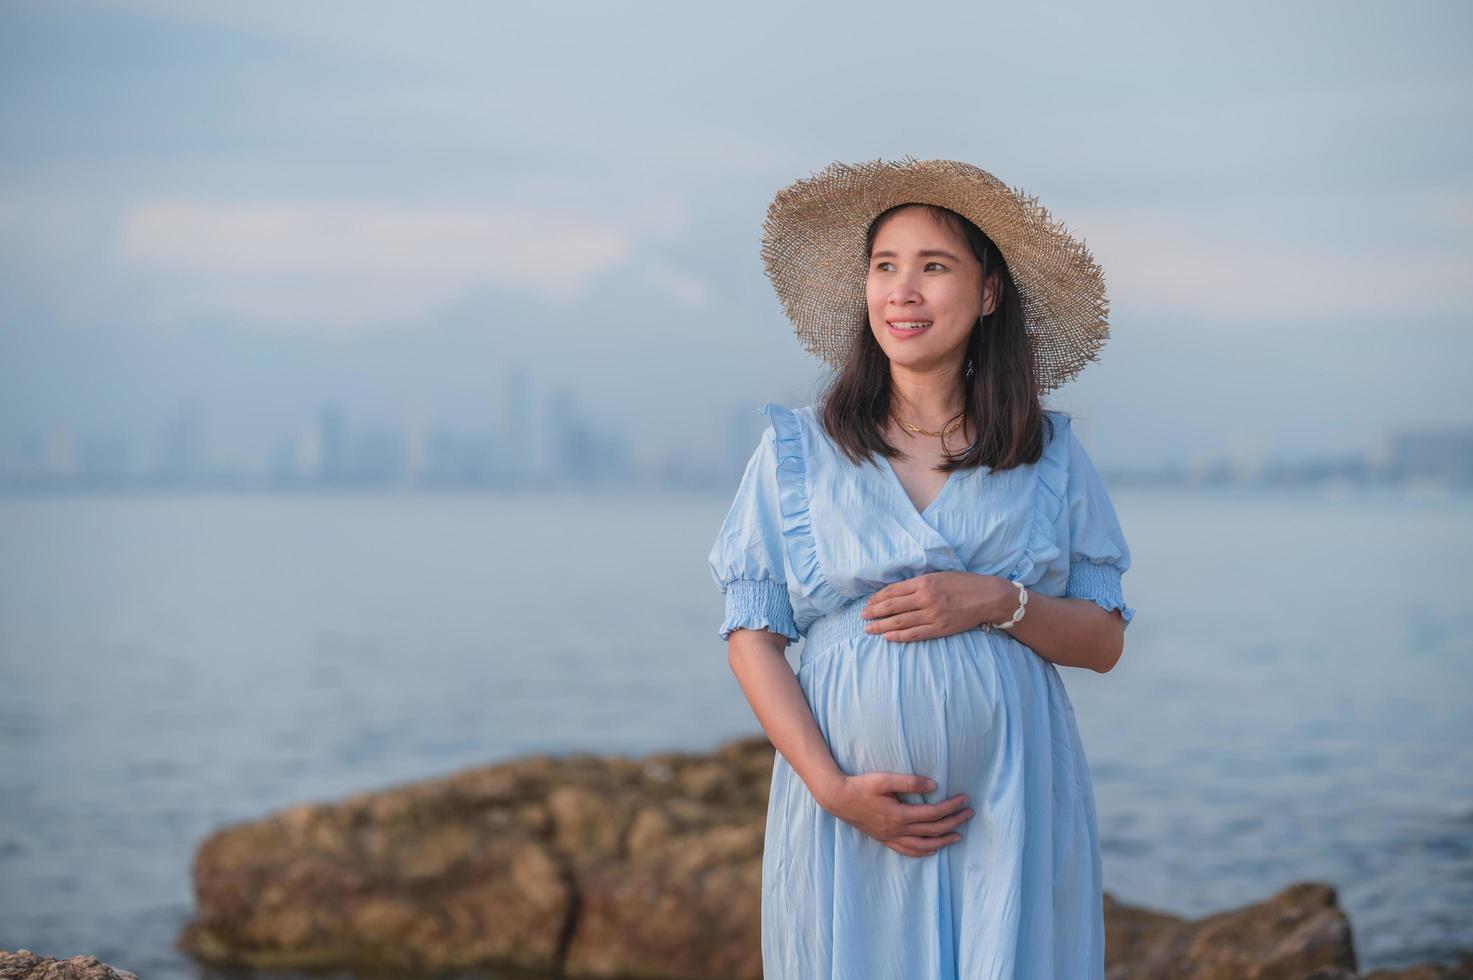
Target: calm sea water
x=1293, y=702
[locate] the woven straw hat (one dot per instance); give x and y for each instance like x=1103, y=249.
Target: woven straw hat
x=813, y=246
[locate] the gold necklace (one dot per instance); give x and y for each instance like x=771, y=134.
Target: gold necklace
x=951, y=427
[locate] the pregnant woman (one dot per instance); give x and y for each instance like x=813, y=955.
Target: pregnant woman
x=942, y=544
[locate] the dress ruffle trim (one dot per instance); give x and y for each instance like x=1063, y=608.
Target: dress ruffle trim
x=1050, y=498
x=792, y=481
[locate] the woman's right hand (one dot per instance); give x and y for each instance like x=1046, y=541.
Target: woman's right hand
x=868, y=801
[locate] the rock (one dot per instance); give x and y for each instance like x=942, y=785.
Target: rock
x=587, y=866
x=1294, y=934
x=22, y=964
x=1298, y=934
x=581, y=866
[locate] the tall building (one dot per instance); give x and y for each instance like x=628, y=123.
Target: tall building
x=333, y=439
x=518, y=428
x=181, y=446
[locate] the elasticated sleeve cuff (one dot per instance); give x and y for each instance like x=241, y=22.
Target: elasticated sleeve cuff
x=1098, y=582
x=759, y=604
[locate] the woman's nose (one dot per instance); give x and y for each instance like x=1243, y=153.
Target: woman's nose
x=903, y=287
x=904, y=293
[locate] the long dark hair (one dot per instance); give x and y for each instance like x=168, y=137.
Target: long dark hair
x=1001, y=401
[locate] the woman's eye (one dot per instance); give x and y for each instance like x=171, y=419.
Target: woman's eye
x=885, y=266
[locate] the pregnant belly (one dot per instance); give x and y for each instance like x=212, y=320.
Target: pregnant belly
x=925, y=707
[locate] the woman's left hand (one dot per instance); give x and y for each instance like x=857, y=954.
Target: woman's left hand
x=934, y=604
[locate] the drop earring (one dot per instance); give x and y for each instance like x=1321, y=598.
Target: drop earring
x=971, y=369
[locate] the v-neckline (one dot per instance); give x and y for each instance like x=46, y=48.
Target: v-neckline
x=920, y=512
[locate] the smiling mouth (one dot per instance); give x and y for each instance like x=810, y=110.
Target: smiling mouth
x=909, y=326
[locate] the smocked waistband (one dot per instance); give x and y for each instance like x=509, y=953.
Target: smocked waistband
x=844, y=623
x=847, y=623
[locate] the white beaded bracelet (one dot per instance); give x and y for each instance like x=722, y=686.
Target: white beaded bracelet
x=1017, y=613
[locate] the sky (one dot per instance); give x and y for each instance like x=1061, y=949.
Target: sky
x=257, y=209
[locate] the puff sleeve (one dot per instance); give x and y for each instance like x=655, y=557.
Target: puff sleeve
x=746, y=561
x=1098, y=553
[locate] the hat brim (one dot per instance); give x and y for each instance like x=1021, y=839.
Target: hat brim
x=813, y=247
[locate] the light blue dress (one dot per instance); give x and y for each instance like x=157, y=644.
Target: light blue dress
x=809, y=536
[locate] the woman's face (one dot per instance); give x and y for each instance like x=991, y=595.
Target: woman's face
x=924, y=290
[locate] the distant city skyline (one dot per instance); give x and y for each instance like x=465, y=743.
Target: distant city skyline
x=554, y=438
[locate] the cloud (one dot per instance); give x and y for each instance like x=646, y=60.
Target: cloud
x=677, y=284
x=1259, y=259
x=348, y=265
